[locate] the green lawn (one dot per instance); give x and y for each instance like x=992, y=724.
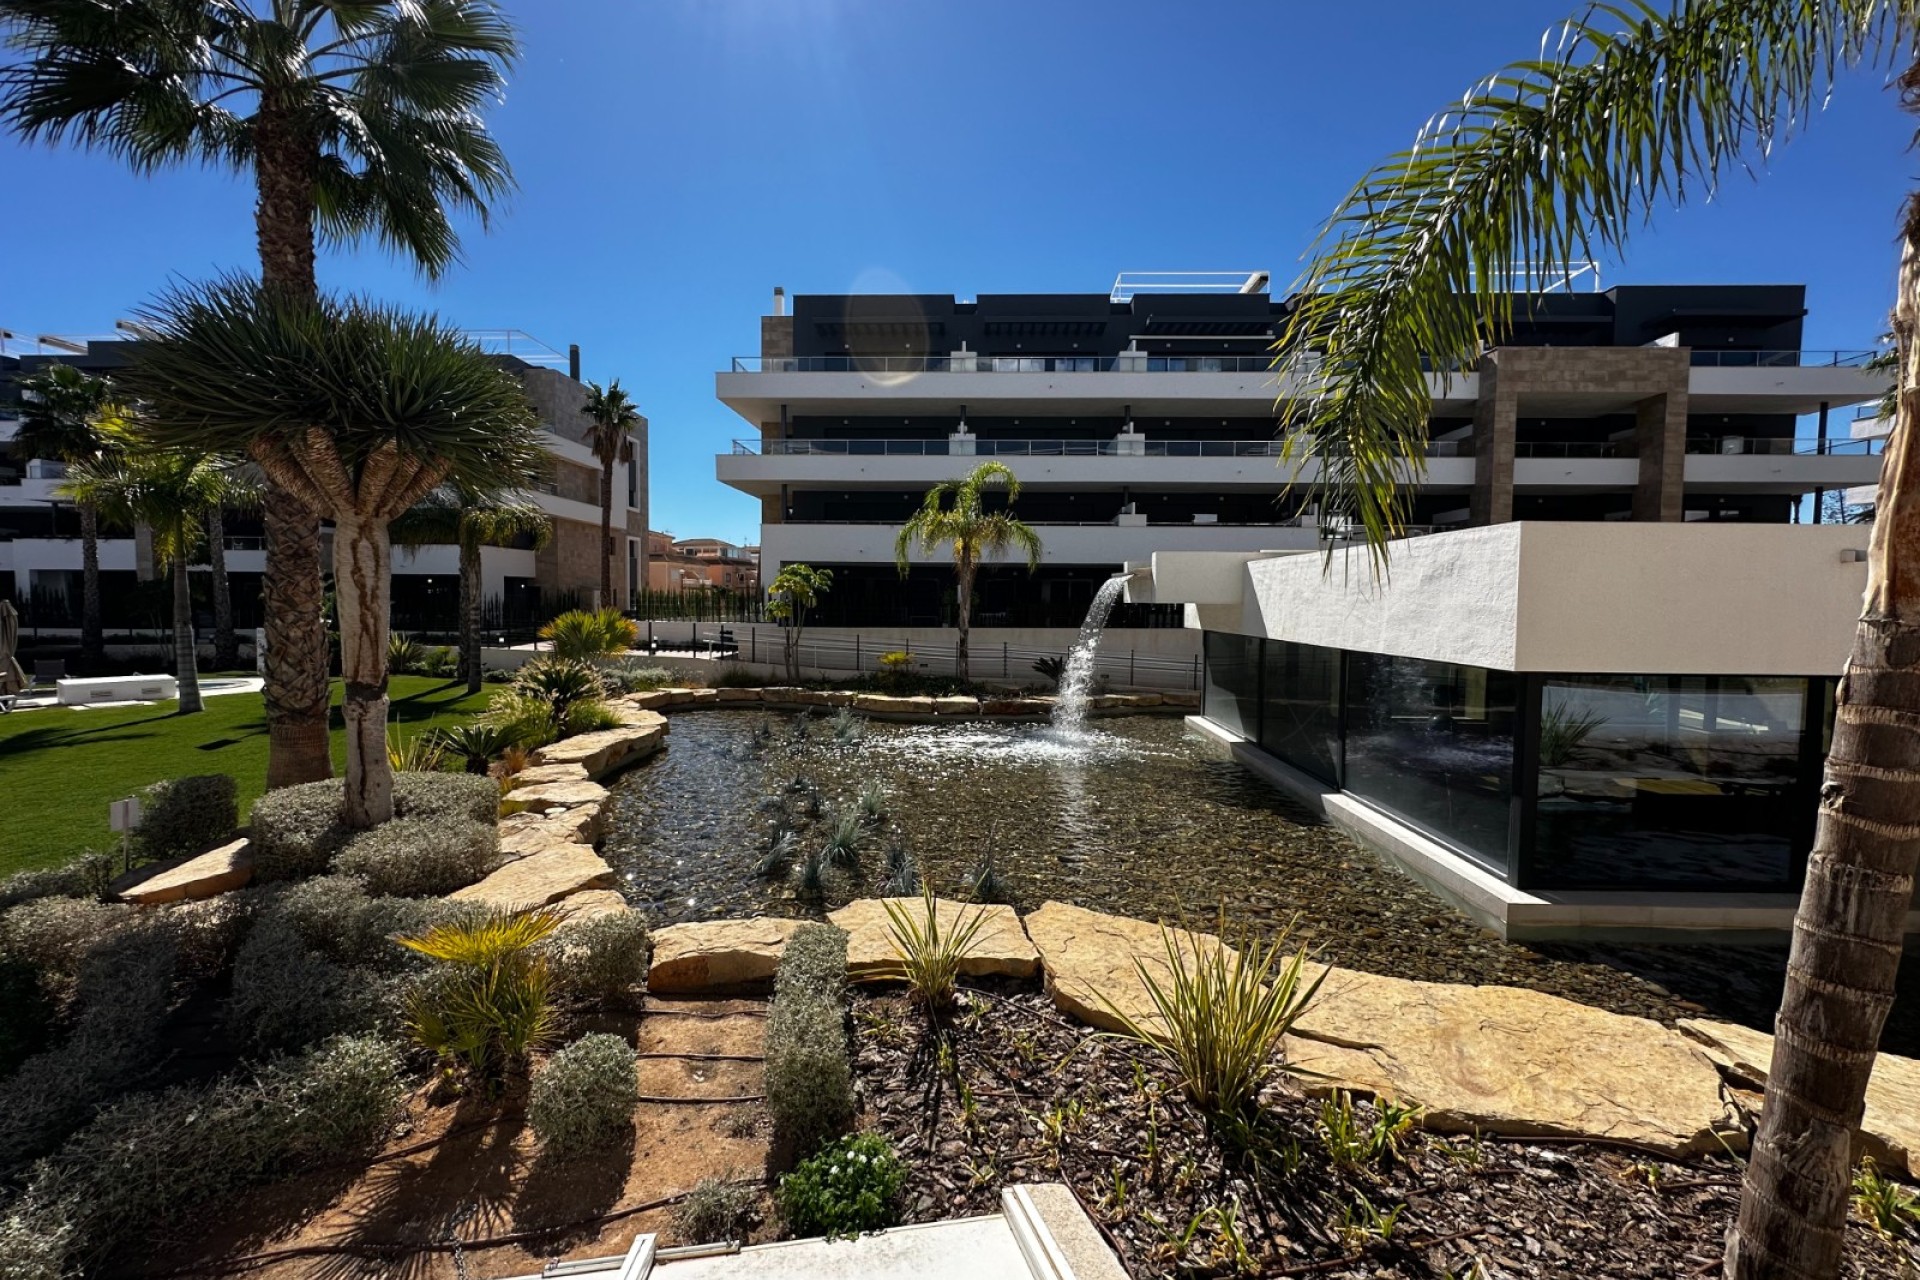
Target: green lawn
x=60, y=768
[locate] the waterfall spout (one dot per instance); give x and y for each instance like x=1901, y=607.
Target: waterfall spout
x=1070, y=709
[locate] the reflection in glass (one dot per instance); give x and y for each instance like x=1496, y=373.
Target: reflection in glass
x=1233, y=682
x=1300, y=720
x=1432, y=742
x=1670, y=781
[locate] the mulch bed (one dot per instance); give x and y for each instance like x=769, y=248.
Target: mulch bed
x=1016, y=1092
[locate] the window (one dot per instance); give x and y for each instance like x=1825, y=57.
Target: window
x=1300, y=708
x=1233, y=682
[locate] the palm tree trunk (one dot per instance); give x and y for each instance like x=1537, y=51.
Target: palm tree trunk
x=185, y=660
x=93, y=647
x=226, y=652
x=964, y=572
x=292, y=588
x=1860, y=880
x=363, y=577
x=606, y=536
x=469, y=668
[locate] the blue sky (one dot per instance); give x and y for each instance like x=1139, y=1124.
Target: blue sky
x=678, y=158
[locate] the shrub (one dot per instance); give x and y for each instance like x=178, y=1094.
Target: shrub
x=496, y=675
x=339, y=1099
x=186, y=815
x=286, y=994
x=439, y=660
x=589, y=634
x=418, y=753
x=735, y=676
x=631, y=677
x=851, y=1187
x=476, y=743
x=523, y=719
x=297, y=830
x=26, y=1016
x=589, y=717
x=36, y=1239
x=486, y=1005
x=54, y=935
x=583, y=1099
x=928, y=950
x=1220, y=1015
x=600, y=960
x=716, y=1209
x=558, y=683
x=421, y=857
x=403, y=653
x=87, y=876
x=445, y=795
x=334, y=915
x=809, y=1078
x=1053, y=668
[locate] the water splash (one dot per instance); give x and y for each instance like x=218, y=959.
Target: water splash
x=1070, y=709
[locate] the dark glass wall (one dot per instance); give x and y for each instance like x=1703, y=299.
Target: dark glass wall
x=1233, y=681
x=1433, y=743
x=1674, y=781
x=1300, y=708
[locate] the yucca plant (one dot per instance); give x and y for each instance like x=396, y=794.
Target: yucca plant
x=489, y=1002
x=928, y=949
x=843, y=841
x=403, y=652
x=1220, y=1013
x=421, y=753
x=560, y=683
x=475, y=742
x=590, y=634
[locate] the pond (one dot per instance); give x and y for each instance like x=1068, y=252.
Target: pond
x=1136, y=817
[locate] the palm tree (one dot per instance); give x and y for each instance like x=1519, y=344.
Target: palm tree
x=1558, y=159
x=354, y=120
x=611, y=417
x=169, y=491
x=796, y=589
x=359, y=411
x=69, y=416
x=974, y=533
x=471, y=519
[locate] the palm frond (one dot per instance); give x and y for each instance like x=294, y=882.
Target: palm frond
x=1551, y=160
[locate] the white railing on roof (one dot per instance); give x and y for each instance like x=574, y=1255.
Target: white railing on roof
x=1128, y=283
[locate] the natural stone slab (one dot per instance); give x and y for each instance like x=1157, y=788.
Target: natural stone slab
x=635, y=716
x=691, y=697
x=784, y=693
x=888, y=705
x=718, y=955
x=821, y=698
x=1144, y=699
x=607, y=750
x=1089, y=958
x=1000, y=948
x=525, y=833
x=538, y=775
x=1015, y=707
x=738, y=695
x=1509, y=1061
x=956, y=706
x=590, y=904
x=651, y=700
x=214, y=872
x=540, y=878
x=1186, y=698
x=1890, y=1129
x=551, y=796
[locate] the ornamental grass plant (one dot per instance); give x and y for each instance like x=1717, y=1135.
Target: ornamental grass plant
x=928, y=950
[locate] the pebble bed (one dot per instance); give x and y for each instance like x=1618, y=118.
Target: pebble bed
x=1137, y=820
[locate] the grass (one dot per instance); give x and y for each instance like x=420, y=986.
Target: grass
x=63, y=767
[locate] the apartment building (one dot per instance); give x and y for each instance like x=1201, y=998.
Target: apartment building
x=700, y=564
x=1143, y=420
x=39, y=531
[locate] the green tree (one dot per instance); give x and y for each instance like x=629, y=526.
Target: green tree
x=1628, y=110
x=359, y=411
x=611, y=417
x=471, y=519
x=353, y=118
x=796, y=589
x=169, y=491
x=954, y=515
x=69, y=416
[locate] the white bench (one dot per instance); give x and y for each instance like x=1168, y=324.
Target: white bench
x=118, y=689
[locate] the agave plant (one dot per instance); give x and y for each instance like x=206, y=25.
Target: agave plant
x=847, y=726
x=842, y=848
x=590, y=634
x=403, y=652
x=872, y=803
x=488, y=1003
x=476, y=742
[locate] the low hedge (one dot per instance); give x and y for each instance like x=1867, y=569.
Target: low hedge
x=87, y=876
x=297, y=831
x=185, y=815
x=431, y=795
x=809, y=1072
x=584, y=1098
x=602, y=960
x=423, y=856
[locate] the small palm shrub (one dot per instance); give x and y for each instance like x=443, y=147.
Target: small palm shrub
x=475, y=743
x=716, y=1209
x=421, y=857
x=809, y=1076
x=403, y=653
x=487, y=1004
x=587, y=635
x=852, y=1186
x=602, y=960
x=584, y=1098
x=186, y=815
x=1220, y=1015
x=555, y=685
x=928, y=950
x=896, y=663
x=1053, y=669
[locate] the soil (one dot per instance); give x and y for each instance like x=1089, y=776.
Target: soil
x=469, y=1170
x=1019, y=1093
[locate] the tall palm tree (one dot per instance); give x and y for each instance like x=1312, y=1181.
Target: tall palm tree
x=1556, y=159
x=170, y=491
x=973, y=533
x=611, y=417
x=470, y=519
x=354, y=118
x=359, y=411
x=69, y=416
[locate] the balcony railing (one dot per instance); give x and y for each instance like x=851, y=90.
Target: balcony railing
x=1844, y=446
x=989, y=448
x=882, y=365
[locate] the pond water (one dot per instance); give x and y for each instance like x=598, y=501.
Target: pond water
x=1133, y=817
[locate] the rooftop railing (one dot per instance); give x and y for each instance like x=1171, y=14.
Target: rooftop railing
x=989, y=448
x=881, y=365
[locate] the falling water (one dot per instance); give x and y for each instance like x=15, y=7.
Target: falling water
x=1070, y=709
